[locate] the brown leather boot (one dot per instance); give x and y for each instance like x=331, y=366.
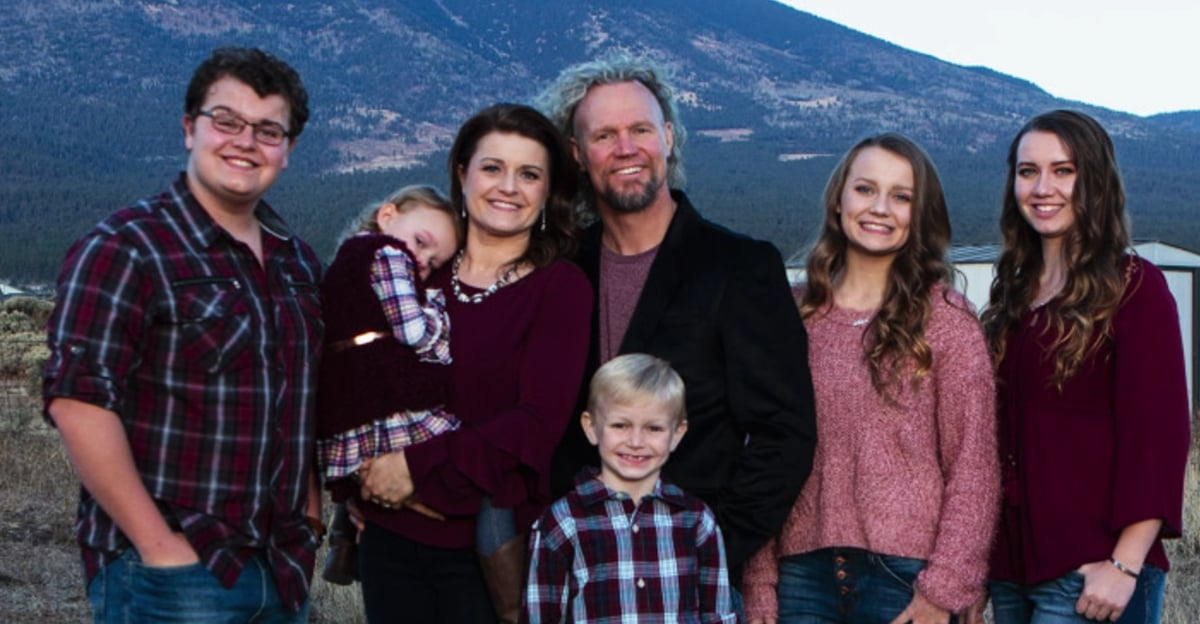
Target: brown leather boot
x=341, y=562
x=504, y=573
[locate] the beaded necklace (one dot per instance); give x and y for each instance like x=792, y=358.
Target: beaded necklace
x=479, y=296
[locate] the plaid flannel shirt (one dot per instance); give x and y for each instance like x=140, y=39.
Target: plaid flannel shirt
x=210, y=361
x=596, y=556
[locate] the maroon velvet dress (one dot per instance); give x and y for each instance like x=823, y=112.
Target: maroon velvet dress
x=370, y=383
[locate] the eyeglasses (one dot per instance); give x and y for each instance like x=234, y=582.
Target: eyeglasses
x=228, y=122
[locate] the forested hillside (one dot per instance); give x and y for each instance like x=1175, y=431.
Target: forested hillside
x=92, y=98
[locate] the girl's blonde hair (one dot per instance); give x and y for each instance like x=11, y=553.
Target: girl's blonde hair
x=407, y=198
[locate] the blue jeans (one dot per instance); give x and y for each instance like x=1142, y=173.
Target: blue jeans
x=845, y=586
x=1053, y=601
x=128, y=591
x=739, y=606
x=494, y=527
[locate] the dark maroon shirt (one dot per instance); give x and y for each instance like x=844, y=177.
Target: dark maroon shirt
x=375, y=380
x=1108, y=451
x=518, y=365
x=621, y=281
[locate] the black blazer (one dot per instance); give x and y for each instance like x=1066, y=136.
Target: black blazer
x=717, y=306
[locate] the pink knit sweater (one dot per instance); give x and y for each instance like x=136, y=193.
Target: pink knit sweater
x=916, y=478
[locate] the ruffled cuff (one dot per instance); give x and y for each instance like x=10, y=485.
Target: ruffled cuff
x=343, y=454
x=437, y=482
x=437, y=350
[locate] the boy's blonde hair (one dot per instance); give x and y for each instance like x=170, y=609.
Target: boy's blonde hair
x=407, y=198
x=633, y=376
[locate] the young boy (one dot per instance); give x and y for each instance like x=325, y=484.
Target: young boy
x=624, y=545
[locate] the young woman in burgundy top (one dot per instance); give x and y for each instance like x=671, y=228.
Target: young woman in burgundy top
x=1092, y=395
x=895, y=521
x=520, y=317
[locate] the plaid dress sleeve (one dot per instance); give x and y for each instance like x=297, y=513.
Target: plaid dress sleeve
x=423, y=326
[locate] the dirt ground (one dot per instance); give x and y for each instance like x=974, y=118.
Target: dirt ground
x=39, y=564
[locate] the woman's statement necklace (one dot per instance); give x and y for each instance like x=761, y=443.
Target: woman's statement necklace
x=479, y=296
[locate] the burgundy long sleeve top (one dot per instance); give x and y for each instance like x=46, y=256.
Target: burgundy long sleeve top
x=1107, y=451
x=518, y=356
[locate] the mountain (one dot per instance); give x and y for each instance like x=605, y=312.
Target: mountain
x=92, y=99
x=1183, y=120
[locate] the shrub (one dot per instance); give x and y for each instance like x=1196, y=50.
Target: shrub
x=36, y=311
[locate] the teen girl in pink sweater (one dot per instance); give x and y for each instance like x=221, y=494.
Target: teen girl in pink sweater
x=895, y=521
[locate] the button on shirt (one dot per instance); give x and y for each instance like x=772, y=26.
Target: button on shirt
x=209, y=359
x=596, y=556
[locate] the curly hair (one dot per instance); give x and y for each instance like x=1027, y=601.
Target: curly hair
x=561, y=99
x=260, y=71
x=897, y=332
x=559, y=238
x=1094, y=248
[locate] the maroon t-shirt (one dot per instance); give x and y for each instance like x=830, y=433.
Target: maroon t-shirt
x=621, y=281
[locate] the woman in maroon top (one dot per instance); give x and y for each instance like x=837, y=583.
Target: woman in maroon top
x=520, y=317
x=1093, y=407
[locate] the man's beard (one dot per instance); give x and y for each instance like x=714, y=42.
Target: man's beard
x=633, y=201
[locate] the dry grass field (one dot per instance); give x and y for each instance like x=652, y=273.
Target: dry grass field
x=40, y=575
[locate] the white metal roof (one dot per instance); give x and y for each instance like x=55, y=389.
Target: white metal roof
x=1161, y=254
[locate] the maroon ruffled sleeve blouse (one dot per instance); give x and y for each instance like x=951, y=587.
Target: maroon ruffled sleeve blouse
x=1107, y=451
x=518, y=366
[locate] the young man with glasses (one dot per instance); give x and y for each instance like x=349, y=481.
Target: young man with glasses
x=184, y=346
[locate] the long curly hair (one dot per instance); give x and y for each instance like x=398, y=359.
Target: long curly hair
x=1094, y=248
x=897, y=332
x=559, y=237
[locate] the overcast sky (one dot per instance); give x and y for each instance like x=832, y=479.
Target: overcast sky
x=1141, y=57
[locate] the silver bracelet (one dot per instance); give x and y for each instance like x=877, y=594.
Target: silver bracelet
x=1123, y=568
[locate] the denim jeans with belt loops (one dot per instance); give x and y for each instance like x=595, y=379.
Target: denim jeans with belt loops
x=845, y=586
x=126, y=590
x=1053, y=601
